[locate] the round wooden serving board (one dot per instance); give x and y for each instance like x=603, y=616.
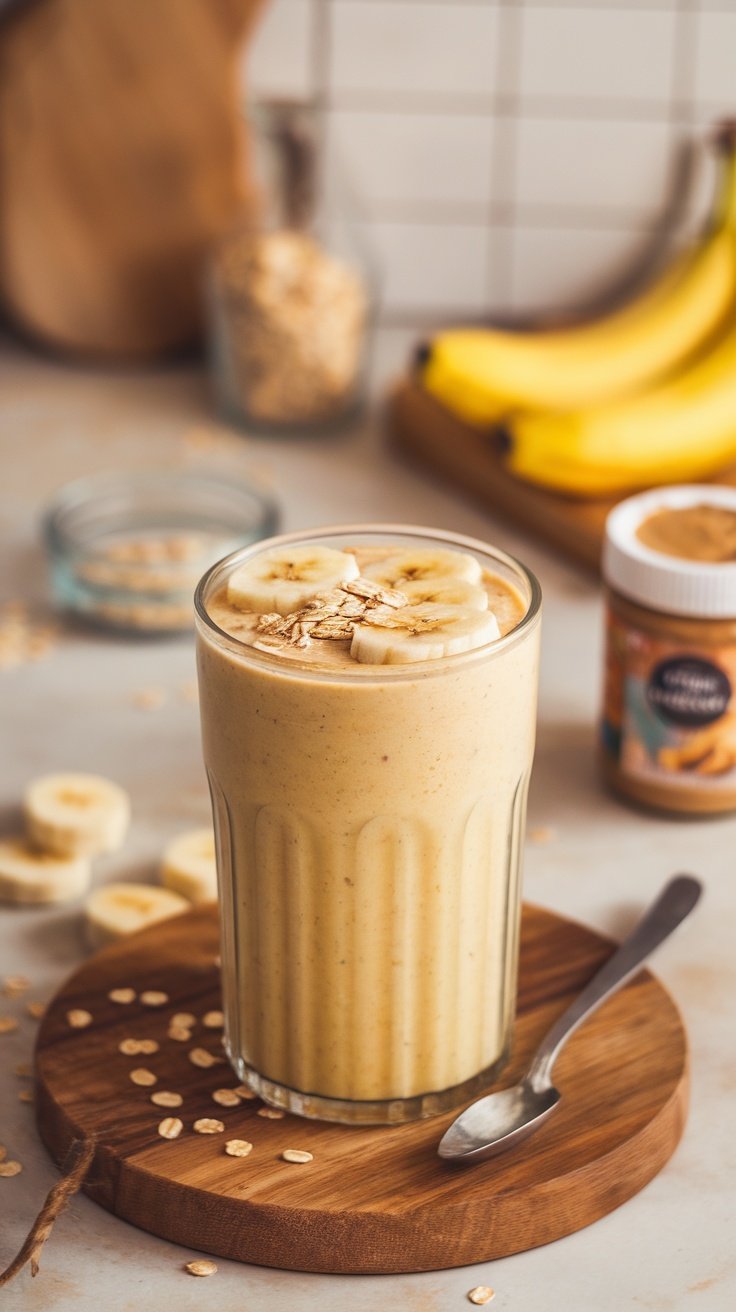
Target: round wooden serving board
x=372, y=1200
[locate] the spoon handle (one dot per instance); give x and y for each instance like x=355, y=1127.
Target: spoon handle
x=675, y=902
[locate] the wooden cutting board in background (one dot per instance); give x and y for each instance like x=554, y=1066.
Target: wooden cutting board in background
x=467, y=458
x=122, y=155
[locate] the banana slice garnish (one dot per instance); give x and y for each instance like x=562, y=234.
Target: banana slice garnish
x=450, y=592
x=285, y=578
x=188, y=865
x=420, y=633
x=421, y=565
x=28, y=876
x=76, y=814
x=114, y=910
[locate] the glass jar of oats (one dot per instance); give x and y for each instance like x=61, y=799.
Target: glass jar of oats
x=290, y=289
x=668, y=727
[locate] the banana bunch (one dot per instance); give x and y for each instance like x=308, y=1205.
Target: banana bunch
x=644, y=395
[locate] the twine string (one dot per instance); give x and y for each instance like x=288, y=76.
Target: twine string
x=80, y=1155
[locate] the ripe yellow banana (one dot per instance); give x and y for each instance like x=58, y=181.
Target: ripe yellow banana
x=484, y=374
x=682, y=430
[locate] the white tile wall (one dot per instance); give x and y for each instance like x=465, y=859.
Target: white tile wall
x=597, y=54
x=509, y=154
x=429, y=50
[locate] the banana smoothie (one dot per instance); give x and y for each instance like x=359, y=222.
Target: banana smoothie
x=368, y=706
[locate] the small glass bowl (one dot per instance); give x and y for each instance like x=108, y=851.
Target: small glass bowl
x=127, y=549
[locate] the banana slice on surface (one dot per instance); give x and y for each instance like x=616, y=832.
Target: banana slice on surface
x=188, y=865
x=76, y=814
x=113, y=911
x=453, y=592
x=421, y=633
x=422, y=564
x=28, y=876
x=286, y=578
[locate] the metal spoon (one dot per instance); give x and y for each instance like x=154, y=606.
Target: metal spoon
x=501, y=1120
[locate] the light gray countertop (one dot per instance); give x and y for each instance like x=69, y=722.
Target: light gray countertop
x=669, y=1248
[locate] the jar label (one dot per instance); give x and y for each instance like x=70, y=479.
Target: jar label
x=669, y=710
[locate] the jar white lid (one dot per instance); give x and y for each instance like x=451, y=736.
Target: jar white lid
x=702, y=589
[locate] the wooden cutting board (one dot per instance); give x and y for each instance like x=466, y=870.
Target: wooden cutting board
x=372, y=1200
x=122, y=157
x=468, y=458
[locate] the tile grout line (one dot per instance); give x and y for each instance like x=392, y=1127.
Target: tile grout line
x=500, y=240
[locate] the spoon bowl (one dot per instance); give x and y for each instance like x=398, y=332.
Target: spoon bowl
x=497, y=1122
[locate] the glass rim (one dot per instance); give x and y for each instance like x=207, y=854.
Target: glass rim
x=362, y=674
x=79, y=492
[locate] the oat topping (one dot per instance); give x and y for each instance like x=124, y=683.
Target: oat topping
x=10, y=1168
x=36, y=1010
x=213, y=1020
x=238, y=1147
x=182, y=1020
x=130, y=1047
x=8, y=1024
x=122, y=996
x=179, y=1033
x=480, y=1295
x=271, y=1113
x=330, y=615
x=245, y=1093
x=148, y=1046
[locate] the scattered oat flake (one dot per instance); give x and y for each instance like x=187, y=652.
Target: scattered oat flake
x=149, y=699
x=13, y=985
x=179, y=1033
x=25, y=1095
x=226, y=1097
x=201, y=1268
x=271, y=1113
x=182, y=1020
x=481, y=1295
x=238, y=1147
x=297, y=1155
x=36, y=1009
x=142, y=1076
x=201, y=1057
x=164, y=1098
x=542, y=834
x=78, y=1018
x=10, y=1168
x=207, y=1125
x=4, y=1151
x=213, y=1020
x=130, y=1047
x=23, y=1069
x=154, y=998
x=245, y=1093
x=170, y=1127
x=148, y=1046
x=8, y=1024
x=122, y=996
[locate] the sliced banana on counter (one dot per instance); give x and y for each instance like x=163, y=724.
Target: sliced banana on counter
x=420, y=633
x=28, y=876
x=188, y=865
x=114, y=910
x=286, y=578
x=446, y=592
x=76, y=814
x=423, y=564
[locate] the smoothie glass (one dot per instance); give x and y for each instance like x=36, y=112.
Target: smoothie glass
x=369, y=824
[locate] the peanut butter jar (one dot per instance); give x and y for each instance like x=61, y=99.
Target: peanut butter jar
x=668, y=727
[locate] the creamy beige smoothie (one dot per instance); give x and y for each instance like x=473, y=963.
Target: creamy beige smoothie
x=369, y=803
